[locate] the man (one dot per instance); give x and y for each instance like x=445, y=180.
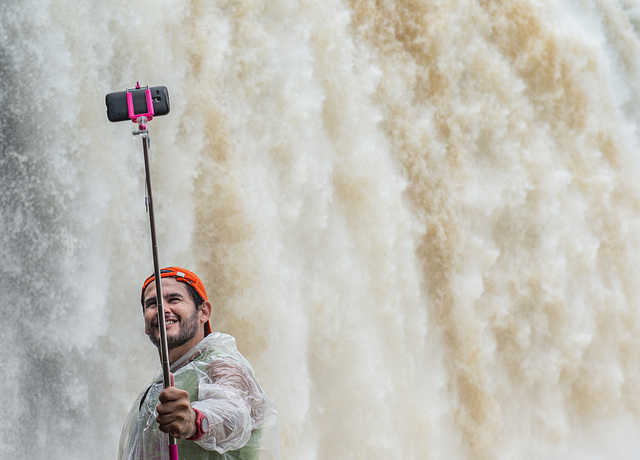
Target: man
x=217, y=409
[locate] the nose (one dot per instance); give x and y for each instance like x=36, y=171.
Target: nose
x=168, y=310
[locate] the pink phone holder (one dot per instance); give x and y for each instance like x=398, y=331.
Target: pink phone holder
x=134, y=116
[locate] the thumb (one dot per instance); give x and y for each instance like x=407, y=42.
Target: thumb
x=173, y=380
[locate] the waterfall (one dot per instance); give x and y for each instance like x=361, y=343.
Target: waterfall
x=419, y=219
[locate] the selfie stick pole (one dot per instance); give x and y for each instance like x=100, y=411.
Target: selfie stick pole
x=141, y=120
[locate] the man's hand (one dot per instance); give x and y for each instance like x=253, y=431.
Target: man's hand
x=175, y=414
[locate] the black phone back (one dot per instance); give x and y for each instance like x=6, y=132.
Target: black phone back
x=117, y=109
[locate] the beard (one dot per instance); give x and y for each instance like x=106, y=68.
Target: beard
x=188, y=329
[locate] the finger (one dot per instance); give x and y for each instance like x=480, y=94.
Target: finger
x=169, y=427
x=173, y=380
x=165, y=409
x=173, y=424
x=170, y=394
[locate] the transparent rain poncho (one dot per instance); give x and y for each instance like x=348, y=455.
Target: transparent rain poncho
x=221, y=384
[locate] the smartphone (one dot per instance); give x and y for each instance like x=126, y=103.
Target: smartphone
x=117, y=109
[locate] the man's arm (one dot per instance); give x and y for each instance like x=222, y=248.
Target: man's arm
x=229, y=397
x=232, y=401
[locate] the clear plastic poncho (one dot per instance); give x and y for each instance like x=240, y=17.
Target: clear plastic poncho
x=221, y=384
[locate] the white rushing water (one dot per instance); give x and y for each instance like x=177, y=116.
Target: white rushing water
x=420, y=219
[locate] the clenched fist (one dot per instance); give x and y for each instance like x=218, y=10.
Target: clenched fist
x=175, y=414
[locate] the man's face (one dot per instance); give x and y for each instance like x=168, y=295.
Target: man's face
x=181, y=316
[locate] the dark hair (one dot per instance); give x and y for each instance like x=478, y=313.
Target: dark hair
x=197, y=300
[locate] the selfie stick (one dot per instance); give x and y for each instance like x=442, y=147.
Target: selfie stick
x=141, y=119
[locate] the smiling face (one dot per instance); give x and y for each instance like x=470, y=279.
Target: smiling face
x=184, y=323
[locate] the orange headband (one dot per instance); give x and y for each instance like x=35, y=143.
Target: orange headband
x=185, y=276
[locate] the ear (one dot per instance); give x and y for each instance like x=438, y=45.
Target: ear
x=205, y=312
